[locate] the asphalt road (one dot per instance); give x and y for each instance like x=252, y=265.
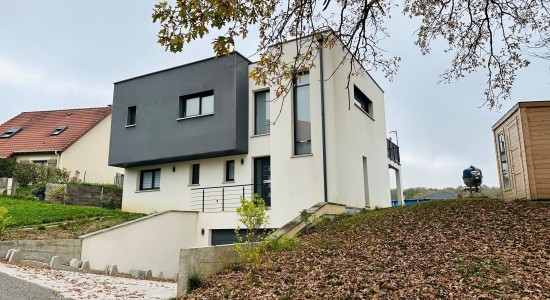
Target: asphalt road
x=12, y=288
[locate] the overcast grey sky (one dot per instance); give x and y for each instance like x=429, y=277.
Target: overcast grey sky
x=67, y=54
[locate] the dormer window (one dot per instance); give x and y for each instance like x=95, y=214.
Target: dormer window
x=58, y=130
x=11, y=132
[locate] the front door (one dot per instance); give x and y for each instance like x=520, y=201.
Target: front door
x=262, y=178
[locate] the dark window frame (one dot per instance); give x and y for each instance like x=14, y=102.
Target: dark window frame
x=195, y=174
x=10, y=132
x=503, y=161
x=58, y=130
x=229, y=177
x=296, y=86
x=131, y=116
x=153, y=177
x=267, y=108
x=362, y=101
x=182, y=114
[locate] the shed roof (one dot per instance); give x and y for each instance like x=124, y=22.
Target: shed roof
x=517, y=106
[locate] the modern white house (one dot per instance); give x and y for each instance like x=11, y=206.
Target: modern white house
x=197, y=137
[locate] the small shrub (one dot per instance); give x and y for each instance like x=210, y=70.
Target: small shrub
x=25, y=193
x=58, y=194
x=253, y=216
x=7, y=167
x=76, y=177
x=4, y=219
x=194, y=281
x=52, y=175
x=283, y=243
x=26, y=173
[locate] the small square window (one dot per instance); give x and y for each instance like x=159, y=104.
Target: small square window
x=196, y=104
x=149, y=180
x=10, y=132
x=195, y=173
x=58, y=130
x=362, y=101
x=230, y=170
x=131, y=118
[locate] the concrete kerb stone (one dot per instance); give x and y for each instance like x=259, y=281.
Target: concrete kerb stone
x=15, y=257
x=85, y=266
x=112, y=270
x=75, y=263
x=141, y=274
x=8, y=254
x=55, y=263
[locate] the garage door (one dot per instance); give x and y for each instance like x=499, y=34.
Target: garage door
x=228, y=236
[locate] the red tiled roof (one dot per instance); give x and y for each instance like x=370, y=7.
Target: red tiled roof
x=37, y=126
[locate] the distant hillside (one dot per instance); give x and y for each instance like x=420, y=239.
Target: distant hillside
x=419, y=192
x=461, y=249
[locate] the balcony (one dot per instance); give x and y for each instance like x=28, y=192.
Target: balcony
x=227, y=198
x=393, y=152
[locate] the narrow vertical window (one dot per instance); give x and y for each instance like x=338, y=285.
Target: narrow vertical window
x=362, y=101
x=302, y=115
x=131, y=117
x=230, y=170
x=149, y=180
x=503, y=161
x=261, y=112
x=195, y=173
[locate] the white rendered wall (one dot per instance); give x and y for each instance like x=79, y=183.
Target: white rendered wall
x=146, y=244
x=296, y=181
x=89, y=155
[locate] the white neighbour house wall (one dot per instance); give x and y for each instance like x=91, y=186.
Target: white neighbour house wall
x=89, y=155
x=150, y=243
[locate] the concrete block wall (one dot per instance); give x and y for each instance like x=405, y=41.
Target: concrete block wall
x=204, y=261
x=44, y=250
x=88, y=195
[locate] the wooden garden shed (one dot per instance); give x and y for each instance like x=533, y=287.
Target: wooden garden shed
x=522, y=144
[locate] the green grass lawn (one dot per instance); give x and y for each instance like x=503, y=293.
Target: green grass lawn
x=40, y=220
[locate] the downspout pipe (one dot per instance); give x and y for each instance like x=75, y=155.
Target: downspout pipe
x=322, y=80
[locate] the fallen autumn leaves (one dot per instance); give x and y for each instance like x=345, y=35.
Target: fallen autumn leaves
x=460, y=249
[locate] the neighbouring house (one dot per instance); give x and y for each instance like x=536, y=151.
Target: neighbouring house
x=199, y=136
x=74, y=139
x=522, y=144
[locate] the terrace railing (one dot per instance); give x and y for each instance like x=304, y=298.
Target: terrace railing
x=227, y=197
x=393, y=152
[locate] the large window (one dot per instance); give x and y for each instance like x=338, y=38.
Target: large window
x=261, y=112
x=362, y=101
x=503, y=161
x=131, y=117
x=195, y=173
x=197, y=104
x=302, y=115
x=230, y=170
x=149, y=180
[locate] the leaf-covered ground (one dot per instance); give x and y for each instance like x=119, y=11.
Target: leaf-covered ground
x=460, y=249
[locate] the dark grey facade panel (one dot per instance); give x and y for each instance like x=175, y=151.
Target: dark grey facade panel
x=159, y=137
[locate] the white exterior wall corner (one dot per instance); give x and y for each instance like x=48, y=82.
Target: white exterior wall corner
x=353, y=135
x=89, y=155
x=152, y=243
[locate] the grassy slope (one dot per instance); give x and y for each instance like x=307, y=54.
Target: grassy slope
x=39, y=220
x=446, y=249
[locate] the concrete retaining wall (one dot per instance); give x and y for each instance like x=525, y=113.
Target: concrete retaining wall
x=88, y=195
x=205, y=261
x=44, y=250
x=150, y=243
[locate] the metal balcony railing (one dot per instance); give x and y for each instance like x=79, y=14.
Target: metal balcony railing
x=393, y=152
x=227, y=197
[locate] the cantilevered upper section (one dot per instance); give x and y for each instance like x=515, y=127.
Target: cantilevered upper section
x=194, y=111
